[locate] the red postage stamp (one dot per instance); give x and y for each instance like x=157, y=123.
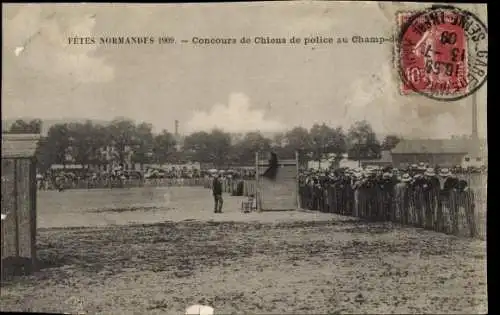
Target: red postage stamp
x=443, y=53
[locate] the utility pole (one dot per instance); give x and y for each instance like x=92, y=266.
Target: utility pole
x=475, y=135
x=475, y=145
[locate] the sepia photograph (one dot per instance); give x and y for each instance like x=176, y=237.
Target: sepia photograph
x=288, y=157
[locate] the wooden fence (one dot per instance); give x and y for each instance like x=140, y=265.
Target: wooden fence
x=459, y=213
x=128, y=183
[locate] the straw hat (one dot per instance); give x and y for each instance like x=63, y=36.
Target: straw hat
x=430, y=172
x=444, y=172
x=358, y=175
x=405, y=178
x=370, y=172
x=386, y=175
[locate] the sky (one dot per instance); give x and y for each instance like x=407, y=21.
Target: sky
x=237, y=88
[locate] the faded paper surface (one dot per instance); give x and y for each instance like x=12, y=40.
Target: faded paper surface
x=56, y=68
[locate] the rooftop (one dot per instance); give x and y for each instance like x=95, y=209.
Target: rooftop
x=437, y=146
x=19, y=145
x=385, y=157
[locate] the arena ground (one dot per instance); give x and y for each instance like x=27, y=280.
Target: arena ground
x=159, y=250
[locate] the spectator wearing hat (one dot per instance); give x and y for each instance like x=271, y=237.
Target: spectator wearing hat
x=348, y=194
x=417, y=199
x=309, y=190
x=303, y=191
x=331, y=193
x=385, y=191
x=387, y=169
x=402, y=198
x=324, y=182
x=396, y=174
x=447, y=197
x=412, y=169
x=421, y=168
x=60, y=182
x=317, y=193
x=359, y=195
x=217, y=193
x=374, y=209
x=431, y=195
x=337, y=193
x=466, y=199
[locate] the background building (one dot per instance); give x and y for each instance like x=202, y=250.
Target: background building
x=442, y=152
x=385, y=160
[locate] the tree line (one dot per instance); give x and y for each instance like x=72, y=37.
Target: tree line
x=92, y=144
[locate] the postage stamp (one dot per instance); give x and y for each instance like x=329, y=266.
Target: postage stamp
x=443, y=53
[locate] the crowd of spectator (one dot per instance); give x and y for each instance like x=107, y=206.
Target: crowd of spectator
x=389, y=194
x=66, y=179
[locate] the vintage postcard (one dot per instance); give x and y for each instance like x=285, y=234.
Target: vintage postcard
x=302, y=157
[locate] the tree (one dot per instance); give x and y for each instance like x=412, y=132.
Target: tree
x=163, y=146
x=252, y=142
x=297, y=139
x=87, y=142
x=279, y=140
x=122, y=138
x=58, y=143
x=22, y=127
x=390, y=142
x=143, y=146
x=45, y=157
x=339, y=146
x=325, y=140
x=195, y=146
x=220, y=147
x=99, y=145
x=363, y=141
x=211, y=147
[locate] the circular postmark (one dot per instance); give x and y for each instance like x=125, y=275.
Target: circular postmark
x=443, y=53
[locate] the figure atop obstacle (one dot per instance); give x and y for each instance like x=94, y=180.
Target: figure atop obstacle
x=272, y=171
x=277, y=183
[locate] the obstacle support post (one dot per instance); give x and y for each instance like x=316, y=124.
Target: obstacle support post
x=297, y=179
x=257, y=186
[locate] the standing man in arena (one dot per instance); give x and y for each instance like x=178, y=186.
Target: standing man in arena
x=217, y=192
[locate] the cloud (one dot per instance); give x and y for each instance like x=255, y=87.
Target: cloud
x=38, y=42
x=377, y=99
x=236, y=116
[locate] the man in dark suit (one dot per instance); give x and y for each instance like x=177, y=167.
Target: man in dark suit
x=386, y=186
x=431, y=190
x=417, y=198
x=466, y=199
x=447, y=198
x=217, y=193
x=402, y=192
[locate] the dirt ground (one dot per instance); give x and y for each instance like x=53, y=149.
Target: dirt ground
x=157, y=251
